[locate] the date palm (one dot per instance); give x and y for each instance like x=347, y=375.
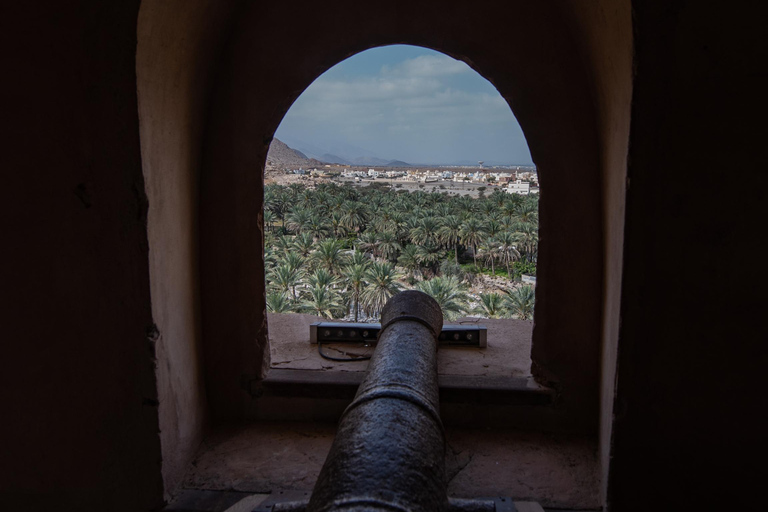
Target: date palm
x=429, y=255
x=388, y=246
x=293, y=259
x=491, y=306
x=297, y=220
x=323, y=301
x=424, y=231
x=355, y=276
x=317, y=226
x=284, y=278
x=527, y=238
x=269, y=220
x=491, y=252
x=359, y=258
x=508, y=249
x=472, y=234
x=330, y=255
x=321, y=277
x=521, y=302
x=355, y=216
x=449, y=293
x=368, y=242
x=409, y=260
x=382, y=284
x=304, y=244
x=279, y=302
x=449, y=233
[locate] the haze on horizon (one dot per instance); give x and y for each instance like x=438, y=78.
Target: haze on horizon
x=405, y=103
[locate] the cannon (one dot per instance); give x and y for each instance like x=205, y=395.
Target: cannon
x=389, y=449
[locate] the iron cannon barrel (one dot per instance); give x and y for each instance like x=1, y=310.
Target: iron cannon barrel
x=389, y=449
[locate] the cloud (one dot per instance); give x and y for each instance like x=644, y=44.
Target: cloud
x=423, y=109
x=427, y=66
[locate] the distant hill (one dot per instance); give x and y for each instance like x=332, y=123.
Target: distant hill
x=370, y=160
x=333, y=159
x=280, y=156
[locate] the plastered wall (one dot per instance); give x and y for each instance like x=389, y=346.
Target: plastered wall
x=175, y=64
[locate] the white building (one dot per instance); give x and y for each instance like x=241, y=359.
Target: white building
x=519, y=187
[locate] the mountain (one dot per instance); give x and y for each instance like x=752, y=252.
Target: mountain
x=333, y=159
x=398, y=163
x=370, y=160
x=280, y=156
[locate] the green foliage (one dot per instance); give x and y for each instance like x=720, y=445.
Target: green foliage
x=449, y=293
x=523, y=267
x=342, y=250
x=521, y=301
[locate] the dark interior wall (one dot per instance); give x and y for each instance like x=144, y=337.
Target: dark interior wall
x=177, y=43
x=692, y=354
x=79, y=410
x=527, y=50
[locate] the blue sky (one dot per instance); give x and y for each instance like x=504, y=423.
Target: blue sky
x=406, y=103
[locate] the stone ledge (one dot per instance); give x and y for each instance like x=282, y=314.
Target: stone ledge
x=478, y=390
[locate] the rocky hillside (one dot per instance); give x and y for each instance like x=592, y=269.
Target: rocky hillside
x=281, y=156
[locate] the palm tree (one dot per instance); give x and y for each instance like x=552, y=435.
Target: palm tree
x=429, y=255
x=337, y=224
x=279, y=302
x=425, y=231
x=449, y=293
x=355, y=277
x=388, y=246
x=293, y=260
x=491, y=305
x=317, y=226
x=304, y=243
x=330, y=255
x=283, y=243
x=409, y=260
x=269, y=220
x=321, y=277
x=323, y=301
x=528, y=211
x=285, y=278
x=449, y=233
x=297, y=220
x=527, y=238
x=355, y=216
x=472, y=233
x=382, y=279
x=368, y=242
x=359, y=258
x=491, y=250
x=507, y=249
x=521, y=301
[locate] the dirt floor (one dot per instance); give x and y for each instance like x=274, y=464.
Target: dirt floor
x=557, y=471
x=508, y=352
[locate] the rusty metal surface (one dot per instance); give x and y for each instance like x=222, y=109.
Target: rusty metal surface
x=389, y=451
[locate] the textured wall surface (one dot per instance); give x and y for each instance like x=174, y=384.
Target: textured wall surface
x=177, y=43
x=77, y=380
x=692, y=351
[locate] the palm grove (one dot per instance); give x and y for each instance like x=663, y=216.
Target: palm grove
x=340, y=251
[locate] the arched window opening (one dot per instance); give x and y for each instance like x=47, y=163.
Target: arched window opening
x=400, y=168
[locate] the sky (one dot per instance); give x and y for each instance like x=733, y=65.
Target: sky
x=405, y=103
